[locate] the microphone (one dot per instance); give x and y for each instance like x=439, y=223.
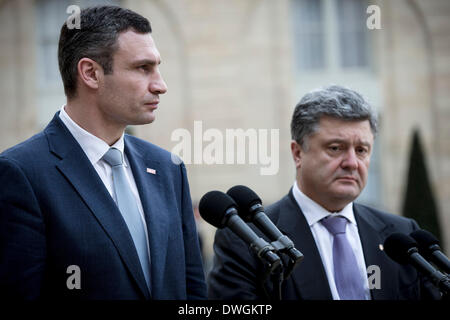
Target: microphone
x=429, y=247
x=251, y=210
x=403, y=249
x=219, y=210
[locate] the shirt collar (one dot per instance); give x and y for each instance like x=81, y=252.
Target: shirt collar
x=314, y=212
x=94, y=147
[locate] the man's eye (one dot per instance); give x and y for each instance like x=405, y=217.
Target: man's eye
x=362, y=151
x=334, y=148
x=145, y=68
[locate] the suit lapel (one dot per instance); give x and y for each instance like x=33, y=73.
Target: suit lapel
x=309, y=276
x=371, y=232
x=78, y=170
x=154, y=205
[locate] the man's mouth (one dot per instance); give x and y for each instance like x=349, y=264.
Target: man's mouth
x=153, y=105
x=347, y=178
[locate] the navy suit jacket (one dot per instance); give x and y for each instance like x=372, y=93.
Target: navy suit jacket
x=56, y=212
x=236, y=270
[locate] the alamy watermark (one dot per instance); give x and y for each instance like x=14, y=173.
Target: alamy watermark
x=235, y=146
x=374, y=20
x=74, y=20
x=74, y=280
x=374, y=277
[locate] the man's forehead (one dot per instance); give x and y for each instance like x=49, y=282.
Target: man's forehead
x=328, y=122
x=339, y=128
x=137, y=46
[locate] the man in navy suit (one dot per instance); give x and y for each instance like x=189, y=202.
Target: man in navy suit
x=333, y=130
x=73, y=222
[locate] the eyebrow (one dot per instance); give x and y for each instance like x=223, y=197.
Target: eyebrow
x=146, y=61
x=364, y=143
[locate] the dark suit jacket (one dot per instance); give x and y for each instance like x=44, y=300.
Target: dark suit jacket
x=56, y=212
x=236, y=269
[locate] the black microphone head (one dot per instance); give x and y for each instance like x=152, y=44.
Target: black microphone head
x=397, y=246
x=213, y=207
x=425, y=240
x=245, y=198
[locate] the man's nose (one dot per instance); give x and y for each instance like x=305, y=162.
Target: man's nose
x=157, y=84
x=350, y=160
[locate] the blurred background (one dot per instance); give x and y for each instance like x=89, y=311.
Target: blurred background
x=245, y=64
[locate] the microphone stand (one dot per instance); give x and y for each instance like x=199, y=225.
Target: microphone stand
x=275, y=272
x=277, y=281
x=278, y=273
x=286, y=246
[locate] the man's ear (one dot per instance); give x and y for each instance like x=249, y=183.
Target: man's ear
x=89, y=72
x=296, y=150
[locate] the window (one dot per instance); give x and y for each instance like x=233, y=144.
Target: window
x=330, y=34
x=51, y=15
x=352, y=33
x=309, y=33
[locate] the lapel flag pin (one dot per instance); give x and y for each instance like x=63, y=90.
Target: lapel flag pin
x=152, y=171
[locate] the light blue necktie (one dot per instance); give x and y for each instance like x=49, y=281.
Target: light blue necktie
x=349, y=283
x=127, y=204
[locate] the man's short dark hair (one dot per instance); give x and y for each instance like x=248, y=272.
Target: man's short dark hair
x=95, y=39
x=334, y=101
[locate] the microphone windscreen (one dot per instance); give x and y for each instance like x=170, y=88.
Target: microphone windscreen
x=213, y=207
x=397, y=245
x=245, y=198
x=424, y=239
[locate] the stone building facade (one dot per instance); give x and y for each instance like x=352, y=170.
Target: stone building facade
x=239, y=64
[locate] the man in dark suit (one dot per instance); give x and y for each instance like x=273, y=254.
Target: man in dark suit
x=86, y=211
x=333, y=130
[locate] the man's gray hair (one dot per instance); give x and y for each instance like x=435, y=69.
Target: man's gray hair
x=334, y=101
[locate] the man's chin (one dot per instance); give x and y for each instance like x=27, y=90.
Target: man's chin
x=348, y=194
x=144, y=120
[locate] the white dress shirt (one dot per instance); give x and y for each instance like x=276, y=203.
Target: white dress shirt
x=95, y=148
x=313, y=213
